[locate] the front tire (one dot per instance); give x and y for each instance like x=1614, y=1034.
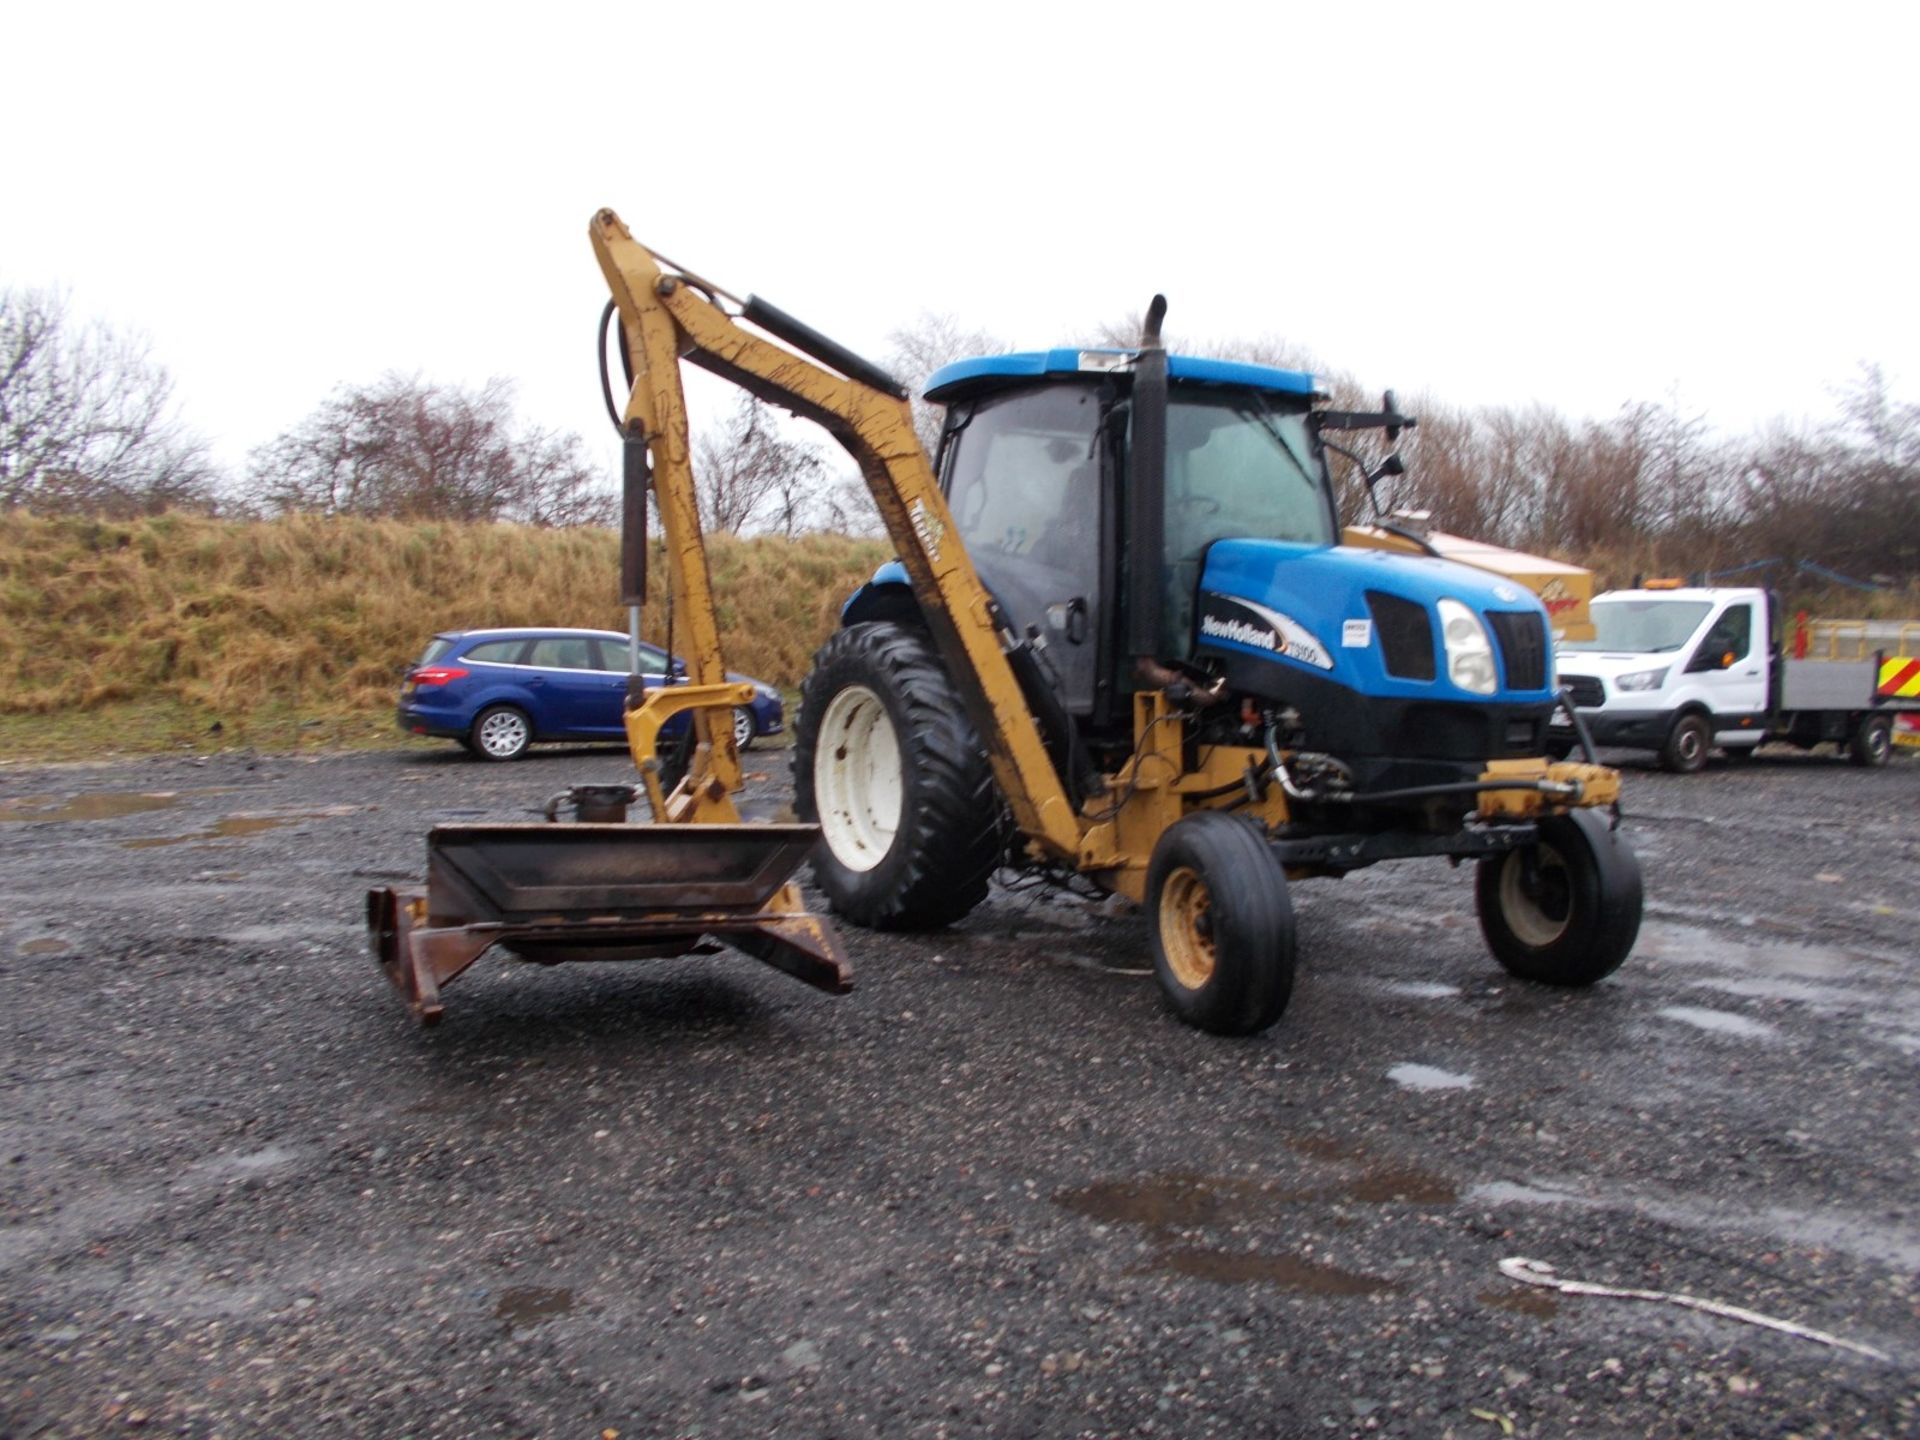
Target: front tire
x=1564, y=911
x=1685, y=752
x=887, y=764
x=501, y=732
x=1222, y=925
x=1872, y=742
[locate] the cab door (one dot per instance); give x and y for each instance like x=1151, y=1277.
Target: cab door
x=1729, y=663
x=1023, y=477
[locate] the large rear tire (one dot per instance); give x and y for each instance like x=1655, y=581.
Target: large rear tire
x=1222, y=924
x=887, y=764
x=1565, y=911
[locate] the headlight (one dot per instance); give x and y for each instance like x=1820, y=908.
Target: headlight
x=1469, y=652
x=1641, y=680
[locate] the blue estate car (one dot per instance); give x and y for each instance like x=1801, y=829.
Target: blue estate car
x=499, y=691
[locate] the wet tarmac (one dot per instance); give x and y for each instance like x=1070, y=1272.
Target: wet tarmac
x=995, y=1191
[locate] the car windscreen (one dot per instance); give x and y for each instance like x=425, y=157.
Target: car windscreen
x=1642, y=626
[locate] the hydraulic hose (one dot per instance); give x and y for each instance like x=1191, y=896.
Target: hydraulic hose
x=626, y=365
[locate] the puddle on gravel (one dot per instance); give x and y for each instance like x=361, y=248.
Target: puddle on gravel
x=236, y=827
x=1385, y=1185
x=1428, y=1077
x=1536, y=1303
x=1187, y=1202
x=1508, y=1192
x=526, y=1306
x=1891, y=1243
x=1421, y=989
x=1689, y=945
x=102, y=805
x=1224, y=1267
x=48, y=945
x=1799, y=991
x=1164, y=1202
x=1718, y=1022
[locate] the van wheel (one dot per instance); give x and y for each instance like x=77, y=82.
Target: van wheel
x=887, y=764
x=1872, y=741
x=1685, y=752
x=1222, y=925
x=1563, y=911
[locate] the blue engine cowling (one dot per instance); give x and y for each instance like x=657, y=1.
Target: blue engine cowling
x=1353, y=639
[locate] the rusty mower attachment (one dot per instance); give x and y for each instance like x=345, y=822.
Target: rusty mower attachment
x=600, y=888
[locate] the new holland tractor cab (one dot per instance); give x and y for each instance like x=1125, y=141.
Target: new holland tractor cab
x=1120, y=642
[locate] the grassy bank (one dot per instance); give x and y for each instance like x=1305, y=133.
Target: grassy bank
x=172, y=631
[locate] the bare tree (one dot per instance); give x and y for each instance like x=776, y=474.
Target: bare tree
x=749, y=475
x=928, y=344
x=409, y=449
x=87, y=422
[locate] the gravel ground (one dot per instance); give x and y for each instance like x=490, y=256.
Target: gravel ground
x=994, y=1191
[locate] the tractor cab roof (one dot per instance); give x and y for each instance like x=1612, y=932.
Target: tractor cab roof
x=966, y=378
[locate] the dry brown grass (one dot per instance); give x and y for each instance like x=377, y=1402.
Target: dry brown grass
x=238, y=621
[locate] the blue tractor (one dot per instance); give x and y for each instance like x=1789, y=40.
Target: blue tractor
x=1231, y=699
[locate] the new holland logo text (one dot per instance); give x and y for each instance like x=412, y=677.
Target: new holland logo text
x=1242, y=622
x=1239, y=632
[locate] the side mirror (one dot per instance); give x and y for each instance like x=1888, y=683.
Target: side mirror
x=1388, y=406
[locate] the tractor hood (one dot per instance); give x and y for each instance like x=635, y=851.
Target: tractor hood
x=1368, y=620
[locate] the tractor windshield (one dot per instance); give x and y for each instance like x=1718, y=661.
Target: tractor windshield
x=1238, y=469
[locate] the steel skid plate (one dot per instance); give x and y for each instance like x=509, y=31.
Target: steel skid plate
x=560, y=892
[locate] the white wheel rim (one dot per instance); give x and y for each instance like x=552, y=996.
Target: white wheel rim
x=742, y=728
x=502, y=734
x=1531, y=925
x=857, y=785
x=1691, y=744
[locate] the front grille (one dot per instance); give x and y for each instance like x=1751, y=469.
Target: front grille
x=1522, y=637
x=1585, y=689
x=1406, y=635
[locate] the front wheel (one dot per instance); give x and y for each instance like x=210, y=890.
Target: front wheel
x=1565, y=910
x=1872, y=741
x=1222, y=925
x=742, y=729
x=885, y=761
x=1685, y=752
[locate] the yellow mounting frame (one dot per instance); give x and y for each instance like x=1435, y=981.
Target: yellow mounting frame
x=669, y=316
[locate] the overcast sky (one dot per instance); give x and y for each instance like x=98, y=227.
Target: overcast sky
x=1581, y=205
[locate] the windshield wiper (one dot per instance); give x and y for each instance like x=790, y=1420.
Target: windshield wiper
x=1265, y=417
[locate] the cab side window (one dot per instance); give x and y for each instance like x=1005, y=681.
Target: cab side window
x=1731, y=635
